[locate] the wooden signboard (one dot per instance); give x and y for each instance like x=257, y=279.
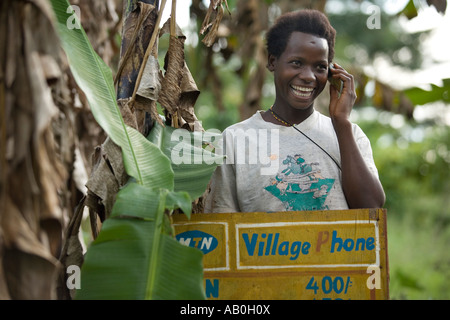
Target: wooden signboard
x=291, y=255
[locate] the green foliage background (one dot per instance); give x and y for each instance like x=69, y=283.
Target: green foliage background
x=415, y=175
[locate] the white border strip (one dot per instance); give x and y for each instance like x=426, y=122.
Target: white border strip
x=283, y=224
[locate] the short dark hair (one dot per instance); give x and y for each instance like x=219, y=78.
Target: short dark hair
x=307, y=21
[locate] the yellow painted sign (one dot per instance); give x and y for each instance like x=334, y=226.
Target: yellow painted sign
x=291, y=255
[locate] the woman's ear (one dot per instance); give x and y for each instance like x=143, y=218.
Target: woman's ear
x=271, y=62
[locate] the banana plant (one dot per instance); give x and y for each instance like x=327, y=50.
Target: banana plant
x=135, y=255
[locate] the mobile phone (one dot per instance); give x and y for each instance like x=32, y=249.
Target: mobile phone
x=337, y=83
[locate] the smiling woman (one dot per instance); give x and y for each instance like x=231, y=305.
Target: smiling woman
x=300, y=75
x=325, y=163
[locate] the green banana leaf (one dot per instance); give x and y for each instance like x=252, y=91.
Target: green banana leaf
x=193, y=174
x=95, y=79
x=135, y=255
x=120, y=265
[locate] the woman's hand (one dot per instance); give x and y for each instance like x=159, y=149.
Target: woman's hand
x=361, y=188
x=341, y=105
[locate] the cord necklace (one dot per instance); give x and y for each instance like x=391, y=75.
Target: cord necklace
x=281, y=120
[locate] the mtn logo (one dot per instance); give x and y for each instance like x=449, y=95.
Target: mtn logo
x=198, y=239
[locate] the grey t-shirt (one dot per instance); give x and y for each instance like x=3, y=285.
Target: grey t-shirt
x=270, y=168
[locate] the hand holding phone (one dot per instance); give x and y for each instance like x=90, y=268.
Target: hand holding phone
x=337, y=83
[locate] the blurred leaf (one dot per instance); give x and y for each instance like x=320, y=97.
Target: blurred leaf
x=420, y=96
x=440, y=5
x=386, y=98
x=410, y=10
x=407, y=280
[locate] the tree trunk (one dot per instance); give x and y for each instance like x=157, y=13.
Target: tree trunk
x=47, y=136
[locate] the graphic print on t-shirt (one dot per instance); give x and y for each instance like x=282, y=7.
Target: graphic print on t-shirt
x=300, y=185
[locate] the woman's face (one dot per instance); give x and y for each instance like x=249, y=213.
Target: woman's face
x=301, y=72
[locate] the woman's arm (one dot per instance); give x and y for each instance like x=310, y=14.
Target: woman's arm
x=361, y=187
